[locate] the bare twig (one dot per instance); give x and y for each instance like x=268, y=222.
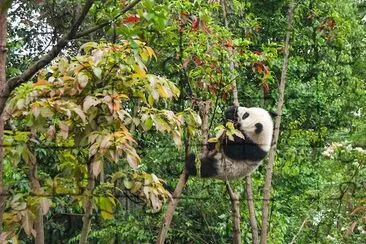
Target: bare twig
x=298, y=232
x=272, y=153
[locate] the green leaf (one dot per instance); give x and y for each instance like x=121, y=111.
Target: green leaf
x=97, y=72
x=128, y=184
x=148, y=123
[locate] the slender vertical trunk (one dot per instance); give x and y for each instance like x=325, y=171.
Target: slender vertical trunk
x=231, y=55
x=205, y=107
x=234, y=196
x=3, y=52
x=235, y=212
x=171, y=207
x=251, y=209
x=88, y=204
x=36, y=189
x=272, y=153
x=293, y=241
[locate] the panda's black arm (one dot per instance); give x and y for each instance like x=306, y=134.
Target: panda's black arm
x=240, y=149
x=230, y=113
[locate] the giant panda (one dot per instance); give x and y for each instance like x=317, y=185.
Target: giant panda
x=240, y=157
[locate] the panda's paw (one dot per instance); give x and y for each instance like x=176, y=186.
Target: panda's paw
x=191, y=164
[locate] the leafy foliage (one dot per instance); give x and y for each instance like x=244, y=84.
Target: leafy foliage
x=101, y=103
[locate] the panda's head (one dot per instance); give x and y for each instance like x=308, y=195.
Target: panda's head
x=255, y=123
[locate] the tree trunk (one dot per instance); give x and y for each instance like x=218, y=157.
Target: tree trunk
x=235, y=212
x=171, y=207
x=36, y=188
x=205, y=107
x=235, y=196
x=231, y=53
x=88, y=205
x=272, y=153
x=251, y=209
x=3, y=53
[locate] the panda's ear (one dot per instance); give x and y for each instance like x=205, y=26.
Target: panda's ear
x=273, y=114
x=231, y=113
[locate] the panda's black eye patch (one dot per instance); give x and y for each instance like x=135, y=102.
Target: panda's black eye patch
x=246, y=115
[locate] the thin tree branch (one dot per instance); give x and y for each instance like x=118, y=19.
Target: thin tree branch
x=205, y=106
x=100, y=26
x=272, y=153
x=88, y=204
x=235, y=212
x=298, y=232
x=251, y=209
x=61, y=43
x=234, y=196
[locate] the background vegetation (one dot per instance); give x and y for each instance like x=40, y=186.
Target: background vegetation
x=99, y=133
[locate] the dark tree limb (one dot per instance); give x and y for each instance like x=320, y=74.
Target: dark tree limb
x=47, y=58
x=272, y=153
x=61, y=43
x=3, y=53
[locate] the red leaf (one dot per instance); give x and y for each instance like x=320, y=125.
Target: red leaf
x=258, y=66
x=257, y=52
x=195, y=23
x=265, y=87
x=229, y=43
x=131, y=19
x=197, y=60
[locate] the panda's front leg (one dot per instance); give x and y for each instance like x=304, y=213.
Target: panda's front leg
x=208, y=162
x=209, y=165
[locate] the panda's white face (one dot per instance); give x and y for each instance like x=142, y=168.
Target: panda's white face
x=257, y=124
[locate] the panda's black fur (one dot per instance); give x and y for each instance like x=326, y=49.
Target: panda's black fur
x=239, y=157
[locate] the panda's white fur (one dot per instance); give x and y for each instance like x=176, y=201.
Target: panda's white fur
x=240, y=157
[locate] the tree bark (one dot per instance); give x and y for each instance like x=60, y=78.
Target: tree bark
x=231, y=55
x=205, y=107
x=171, y=207
x=272, y=153
x=251, y=209
x=3, y=53
x=88, y=204
x=36, y=188
x=235, y=212
x=234, y=196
